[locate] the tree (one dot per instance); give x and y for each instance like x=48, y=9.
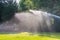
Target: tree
x=22, y=6
x=7, y=9
x=26, y=5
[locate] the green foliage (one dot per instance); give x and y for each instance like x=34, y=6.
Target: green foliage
x=26, y=5
x=52, y=6
x=22, y=6
x=7, y=9
x=29, y=4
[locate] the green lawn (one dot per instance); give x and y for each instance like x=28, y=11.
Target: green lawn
x=30, y=36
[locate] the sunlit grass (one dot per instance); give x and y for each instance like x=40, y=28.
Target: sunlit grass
x=26, y=36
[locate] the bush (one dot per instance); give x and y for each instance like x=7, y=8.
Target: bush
x=7, y=9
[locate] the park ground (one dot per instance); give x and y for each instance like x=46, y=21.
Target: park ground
x=30, y=36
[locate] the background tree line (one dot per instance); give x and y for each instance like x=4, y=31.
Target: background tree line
x=52, y=6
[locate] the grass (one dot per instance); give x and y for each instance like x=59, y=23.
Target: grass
x=30, y=36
